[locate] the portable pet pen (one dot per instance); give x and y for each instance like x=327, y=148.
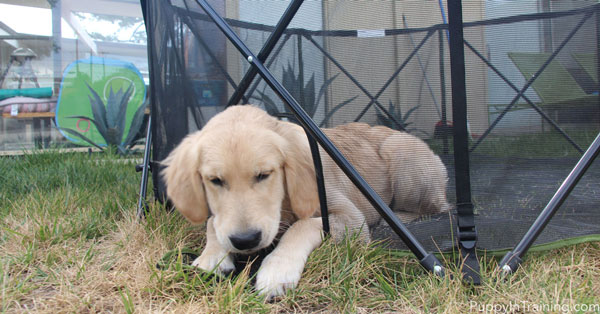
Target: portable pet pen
x=508, y=99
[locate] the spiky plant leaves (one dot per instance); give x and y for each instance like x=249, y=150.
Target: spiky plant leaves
x=387, y=119
x=105, y=116
x=110, y=119
x=382, y=118
x=304, y=94
x=325, y=86
x=116, y=113
x=98, y=111
x=136, y=123
x=113, y=137
x=292, y=84
x=81, y=136
x=269, y=104
x=85, y=118
x=112, y=109
x=310, y=106
x=289, y=80
x=410, y=111
x=394, y=118
x=122, y=100
x=336, y=108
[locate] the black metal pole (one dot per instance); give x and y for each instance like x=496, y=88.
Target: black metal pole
x=512, y=259
x=147, y=146
x=56, y=53
x=597, y=12
x=314, y=149
x=271, y=60
x=467, y=233
x=145, y=167
x=427, y=260
x=443, y=93
x=264, y=53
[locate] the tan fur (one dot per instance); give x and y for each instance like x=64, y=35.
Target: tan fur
x=244, y=142
x=185, y=188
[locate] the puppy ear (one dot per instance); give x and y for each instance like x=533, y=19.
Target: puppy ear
x=299, y=170
x=184, y=183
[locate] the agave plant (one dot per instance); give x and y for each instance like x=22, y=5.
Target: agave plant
x=395, y=120
x=304, y=94
x=110, y=119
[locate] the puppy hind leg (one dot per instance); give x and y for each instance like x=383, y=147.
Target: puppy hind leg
x=417, y=176
x=345, y=219
x=407, y=217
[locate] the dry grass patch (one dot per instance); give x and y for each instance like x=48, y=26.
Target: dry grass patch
x=70, y=242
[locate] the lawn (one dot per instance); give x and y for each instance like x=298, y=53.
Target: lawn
x=71, y=242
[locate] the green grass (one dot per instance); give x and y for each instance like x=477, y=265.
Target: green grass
x=70, y=242
x=531, y=145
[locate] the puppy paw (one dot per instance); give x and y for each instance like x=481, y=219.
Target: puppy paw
x=217, y=263
x=278, y=274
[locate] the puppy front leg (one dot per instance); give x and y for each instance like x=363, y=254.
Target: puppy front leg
x=281, y=270
x=214, y=257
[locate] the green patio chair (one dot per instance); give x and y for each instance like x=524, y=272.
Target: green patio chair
x=555, y=86
x=587, y=61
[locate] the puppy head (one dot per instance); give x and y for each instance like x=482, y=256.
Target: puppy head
x=240, y=167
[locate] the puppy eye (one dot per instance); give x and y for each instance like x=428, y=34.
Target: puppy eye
x=216, y=181
x=262, y=176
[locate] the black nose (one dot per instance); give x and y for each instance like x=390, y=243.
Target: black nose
x=246, y=241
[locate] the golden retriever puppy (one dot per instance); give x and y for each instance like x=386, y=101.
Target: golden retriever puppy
x=252, y=177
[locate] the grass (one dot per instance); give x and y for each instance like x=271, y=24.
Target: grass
x=70, y=242
x=531, y=145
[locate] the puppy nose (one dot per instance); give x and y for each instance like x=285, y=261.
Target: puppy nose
x=247, y=240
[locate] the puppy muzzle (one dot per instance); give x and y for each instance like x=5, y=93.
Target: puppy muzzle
x=246, y=241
